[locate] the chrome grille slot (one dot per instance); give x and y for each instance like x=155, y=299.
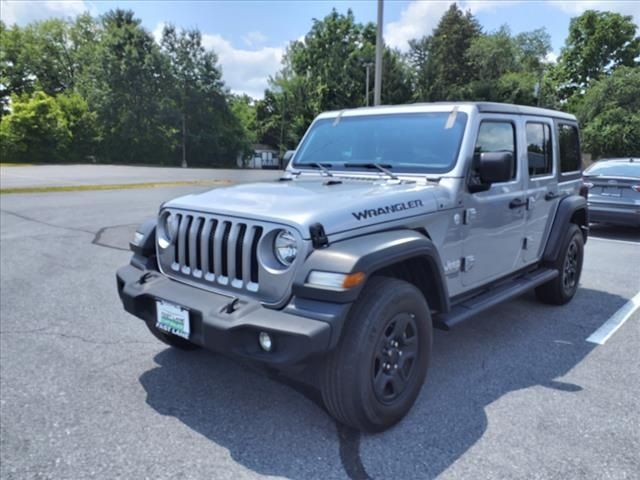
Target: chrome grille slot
x=214, y=250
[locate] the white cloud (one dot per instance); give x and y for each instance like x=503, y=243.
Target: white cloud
x=420, y=17
x=245, y=71
x=253, y=39
x=551, y=57
x=23, y=12
x=416, y=19
x=157, y=32
x=629, y=7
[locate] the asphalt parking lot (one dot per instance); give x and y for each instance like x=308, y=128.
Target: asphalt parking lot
x=78, y=175
x=87, y=392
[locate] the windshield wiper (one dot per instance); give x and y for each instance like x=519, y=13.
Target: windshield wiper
x=383, y=167
x=323, y=167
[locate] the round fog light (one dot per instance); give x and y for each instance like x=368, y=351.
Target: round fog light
x=265, y=341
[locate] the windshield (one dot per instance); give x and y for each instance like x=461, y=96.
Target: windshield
x=414, y=142
x=615, y=169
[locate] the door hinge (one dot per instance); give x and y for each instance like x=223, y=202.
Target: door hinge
x=467, y=263
x=470, y=215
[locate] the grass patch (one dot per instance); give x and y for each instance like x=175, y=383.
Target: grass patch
x=10, y=164
x=121, y=186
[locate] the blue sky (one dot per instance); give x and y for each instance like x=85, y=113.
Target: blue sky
x=250, y=36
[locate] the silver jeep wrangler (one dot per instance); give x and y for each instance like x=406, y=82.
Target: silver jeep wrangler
x=388, y=221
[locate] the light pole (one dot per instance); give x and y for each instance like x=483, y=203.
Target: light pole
x=377, y=92
x=368, y=66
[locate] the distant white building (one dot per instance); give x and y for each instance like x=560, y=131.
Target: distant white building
x=264, y=156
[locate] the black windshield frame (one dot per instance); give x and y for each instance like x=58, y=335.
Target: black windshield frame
x=455, y=122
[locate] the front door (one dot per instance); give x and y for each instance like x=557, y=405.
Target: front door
x=542, y=183
x=494, y=220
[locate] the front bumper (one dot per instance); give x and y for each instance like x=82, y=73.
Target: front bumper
x=304, y=329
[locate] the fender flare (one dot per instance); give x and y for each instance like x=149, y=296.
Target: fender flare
x=369, y=254
x=567, y=208
x=144, y=253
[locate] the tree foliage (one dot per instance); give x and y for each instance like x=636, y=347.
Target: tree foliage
x=598, y=43
x=206, y=129
x=43, y=128
x=442, y=67
x=611, y=115
x=135, y=93
x=104, y=88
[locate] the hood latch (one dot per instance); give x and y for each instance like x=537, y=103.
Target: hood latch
x=318, y=236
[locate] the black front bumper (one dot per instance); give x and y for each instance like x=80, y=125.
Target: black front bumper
x=302, y=330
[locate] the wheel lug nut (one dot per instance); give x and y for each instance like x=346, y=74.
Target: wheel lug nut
x=400, y=353
x=395, y=367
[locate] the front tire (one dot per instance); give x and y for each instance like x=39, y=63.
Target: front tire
x=375, y=374
x=561, y=289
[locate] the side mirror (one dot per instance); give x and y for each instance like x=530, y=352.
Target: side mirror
x=495, y=167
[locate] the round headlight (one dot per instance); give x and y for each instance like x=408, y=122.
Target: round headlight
x=166, y=226
x=285, y=247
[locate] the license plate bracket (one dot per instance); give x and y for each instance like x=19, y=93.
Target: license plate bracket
x=173, y=319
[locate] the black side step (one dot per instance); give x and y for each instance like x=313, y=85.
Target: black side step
x=492, y=297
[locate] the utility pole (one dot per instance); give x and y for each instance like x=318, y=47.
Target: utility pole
x=377, y=92
x=368, y=66
x=284, y=106
x=184, y=140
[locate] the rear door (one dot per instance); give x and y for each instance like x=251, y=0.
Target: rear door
x=494, y=220
x=541, y=184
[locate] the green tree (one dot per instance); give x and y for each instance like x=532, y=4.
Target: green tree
x=442, y=66
x=610, y=114
x=42, y=128
x=532, y=50
x=35, y=131
x=243, y=108
x=326, y=71
x=131, y=79
x=598, y=43
x=506, y=68
x=82, y=125
x=209, y=133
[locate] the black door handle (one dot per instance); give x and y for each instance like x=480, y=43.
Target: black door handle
x=517, y=203
x=550, y=196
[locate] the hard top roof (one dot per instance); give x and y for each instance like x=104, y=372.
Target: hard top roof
x=483, y=107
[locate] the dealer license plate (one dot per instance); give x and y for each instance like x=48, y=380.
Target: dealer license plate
x=172, y=319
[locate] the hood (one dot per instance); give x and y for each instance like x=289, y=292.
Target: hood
x=300, y=203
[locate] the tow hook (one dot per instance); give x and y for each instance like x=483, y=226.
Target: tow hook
x=145, y=278
x=231, y=307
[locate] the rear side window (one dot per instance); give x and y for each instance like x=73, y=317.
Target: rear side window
x=497, y=137
x=539, y=151
x=569, y=148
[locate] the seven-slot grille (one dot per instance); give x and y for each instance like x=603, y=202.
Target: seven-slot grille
x=216, y=250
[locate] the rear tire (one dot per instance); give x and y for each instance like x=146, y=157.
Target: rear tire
x=373, y=377
x=561, y=289
x=172, y=340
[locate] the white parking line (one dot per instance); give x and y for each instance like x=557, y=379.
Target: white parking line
x=616, y=320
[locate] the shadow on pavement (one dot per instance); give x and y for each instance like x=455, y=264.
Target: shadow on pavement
x=274, y=430
x=614, y=232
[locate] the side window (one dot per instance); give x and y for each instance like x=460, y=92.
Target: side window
x=569, y=148
x=497, y=137
x=539, y=151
